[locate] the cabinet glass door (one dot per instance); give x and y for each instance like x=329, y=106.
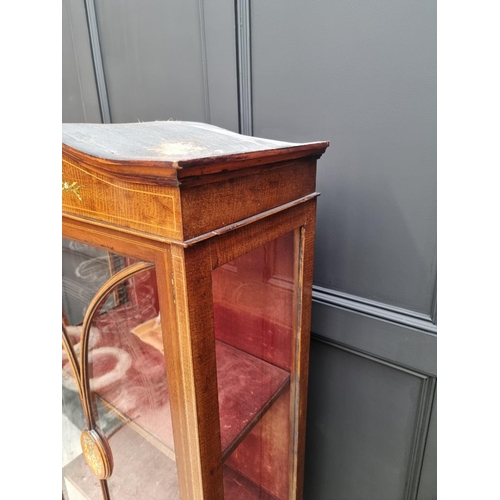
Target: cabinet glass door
x=117, y=428
x=255, y=315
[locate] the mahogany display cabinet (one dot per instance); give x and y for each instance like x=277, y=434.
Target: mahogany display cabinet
x=187, y=260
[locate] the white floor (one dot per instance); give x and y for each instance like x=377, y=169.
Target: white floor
x=71, y=449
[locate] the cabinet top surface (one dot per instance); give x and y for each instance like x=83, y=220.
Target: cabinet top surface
x=174, y=152
x=163, y=141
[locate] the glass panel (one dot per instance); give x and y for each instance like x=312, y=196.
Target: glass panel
x=128, y=383
x=254, y=311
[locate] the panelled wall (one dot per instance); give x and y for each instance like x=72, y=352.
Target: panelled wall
x=361, y=75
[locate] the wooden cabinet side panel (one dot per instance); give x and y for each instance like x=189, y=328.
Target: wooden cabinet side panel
x=212, y=206
x=227, y=247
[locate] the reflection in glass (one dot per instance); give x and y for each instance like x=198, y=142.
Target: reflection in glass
x=254, y=307
x=127, y=380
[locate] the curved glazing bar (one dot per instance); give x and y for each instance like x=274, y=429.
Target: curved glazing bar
x=99, y=298
x=73, y=361
x=95, y=446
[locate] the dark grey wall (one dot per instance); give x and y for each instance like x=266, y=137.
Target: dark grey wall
x=161, y=63
x=361, y=75
x=79, y=92
x=375, y=411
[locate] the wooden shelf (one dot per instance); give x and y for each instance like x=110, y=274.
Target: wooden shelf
x=238, y=487
x=142, y=472
x=248, y=386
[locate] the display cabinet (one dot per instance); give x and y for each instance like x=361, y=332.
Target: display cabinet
x=187, y=259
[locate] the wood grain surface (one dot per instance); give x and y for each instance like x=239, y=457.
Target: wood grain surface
x=191, y=198
x=172, y=152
